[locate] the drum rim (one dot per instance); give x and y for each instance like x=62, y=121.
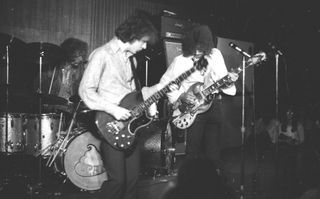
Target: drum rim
x=43, y=115
x=10, y=114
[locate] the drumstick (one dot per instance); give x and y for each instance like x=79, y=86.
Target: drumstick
x=67, y=135
x=51, y=82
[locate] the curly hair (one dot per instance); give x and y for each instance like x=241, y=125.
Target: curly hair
x=197, y=37
x=135, y=27
x=73, y=48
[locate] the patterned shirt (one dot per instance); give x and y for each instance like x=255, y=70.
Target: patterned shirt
x=107, y=78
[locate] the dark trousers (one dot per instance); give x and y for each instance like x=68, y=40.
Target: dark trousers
x=123, y=170
x=203, y=136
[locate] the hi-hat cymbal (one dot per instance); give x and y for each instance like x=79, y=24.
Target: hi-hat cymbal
x=52, y=99
x=50, y=53
x=16, y=46
x=10, y=40
x=75, y=99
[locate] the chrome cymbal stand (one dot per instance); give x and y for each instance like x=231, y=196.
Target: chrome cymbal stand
x=41, y=55
x=6, y=108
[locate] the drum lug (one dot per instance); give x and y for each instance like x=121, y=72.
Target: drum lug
x=169, y=150
x=36, y=147
x=20, y=146
x=9, y=144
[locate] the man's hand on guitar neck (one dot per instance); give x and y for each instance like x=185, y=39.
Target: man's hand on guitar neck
x=149, y=91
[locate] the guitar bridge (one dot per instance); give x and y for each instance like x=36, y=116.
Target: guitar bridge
x=114, y=127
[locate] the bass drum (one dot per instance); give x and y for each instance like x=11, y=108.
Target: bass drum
x=81, y=160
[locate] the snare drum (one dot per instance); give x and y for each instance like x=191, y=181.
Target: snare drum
x=50, y=124
x=81, y=161
x=12, y=141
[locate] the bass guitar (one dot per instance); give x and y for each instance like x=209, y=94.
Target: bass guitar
x=121, y=134
x=198, y=99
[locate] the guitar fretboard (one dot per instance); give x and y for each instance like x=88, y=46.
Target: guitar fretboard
x=226, y=79
x=140, y=108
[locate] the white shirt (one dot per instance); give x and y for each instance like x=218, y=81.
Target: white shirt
x=215, y=70
x=107, y=78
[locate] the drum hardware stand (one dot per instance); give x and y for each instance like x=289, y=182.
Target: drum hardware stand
x=6, y=179
x=41, y=55
x=7, y=91
x=243, y=129
x=63, y=143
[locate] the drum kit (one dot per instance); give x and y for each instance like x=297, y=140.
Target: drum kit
x=51, y=130
x=61, y=131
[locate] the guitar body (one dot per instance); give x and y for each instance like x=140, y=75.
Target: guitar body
x=192, y=103
x=198, y=99
x=121, y=134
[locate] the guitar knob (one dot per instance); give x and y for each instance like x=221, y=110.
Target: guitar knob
x=117, y=138
x=128, y=143
x=121, y=145
x=123, y=135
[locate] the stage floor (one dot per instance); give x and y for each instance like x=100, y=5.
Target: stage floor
x=20, y=177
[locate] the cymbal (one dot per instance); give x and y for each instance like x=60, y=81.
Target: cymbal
x=52, y=99
x=16, y=46
x=51, y=54
x=6, y=39
x=63, y=108
x=75, y=99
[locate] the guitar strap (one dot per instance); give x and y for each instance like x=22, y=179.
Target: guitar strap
x=134, y=73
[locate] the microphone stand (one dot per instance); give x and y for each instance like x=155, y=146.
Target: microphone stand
x=243, y=129
x=147, y=69
x=277, y=114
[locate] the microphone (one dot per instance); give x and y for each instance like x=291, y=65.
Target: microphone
x=232, y=45
x=273, y=47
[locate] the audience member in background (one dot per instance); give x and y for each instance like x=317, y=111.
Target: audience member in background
x=287, y=137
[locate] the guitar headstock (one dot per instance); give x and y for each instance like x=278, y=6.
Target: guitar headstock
x=257, y=58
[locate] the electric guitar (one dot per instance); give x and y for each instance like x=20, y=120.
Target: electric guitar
x=121, y=134
x=285, y=132
x=198, y=99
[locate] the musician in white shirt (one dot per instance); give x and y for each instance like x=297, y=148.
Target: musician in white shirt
x=107, y=79
x=203, y=135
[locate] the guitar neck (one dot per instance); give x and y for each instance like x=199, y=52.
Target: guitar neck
x=140, y=108
x=223, y=81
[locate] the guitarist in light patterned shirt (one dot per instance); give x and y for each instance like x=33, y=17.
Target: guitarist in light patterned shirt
x=107, y=79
